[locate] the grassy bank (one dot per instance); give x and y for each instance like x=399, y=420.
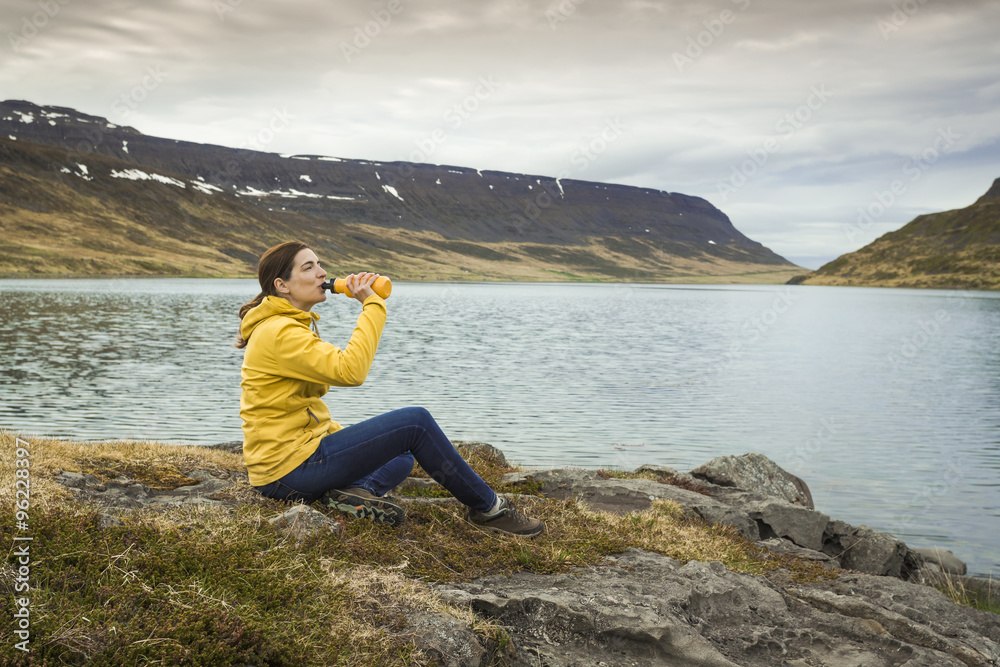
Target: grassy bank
x=200, y=584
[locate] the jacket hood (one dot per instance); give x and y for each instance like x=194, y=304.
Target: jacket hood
x=272, y=306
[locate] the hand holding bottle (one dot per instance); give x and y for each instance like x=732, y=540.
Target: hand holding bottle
x=360, y=286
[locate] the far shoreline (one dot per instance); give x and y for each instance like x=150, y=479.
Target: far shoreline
x=731, y=279
x=746, y=280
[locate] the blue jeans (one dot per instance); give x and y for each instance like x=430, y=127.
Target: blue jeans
x=377, y=455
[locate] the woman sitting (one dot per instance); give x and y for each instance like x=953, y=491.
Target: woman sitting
x=294, y=450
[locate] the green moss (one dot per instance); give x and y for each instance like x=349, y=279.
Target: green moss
x=157, y=476
x=190, y=595
x=221, y=586
x=437, y=544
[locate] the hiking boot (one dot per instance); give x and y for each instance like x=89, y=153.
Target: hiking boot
x=508, y=520
x=364, y=505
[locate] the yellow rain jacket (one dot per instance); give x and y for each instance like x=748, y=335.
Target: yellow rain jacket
x=286, y=371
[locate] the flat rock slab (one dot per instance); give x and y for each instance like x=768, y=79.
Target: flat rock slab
x=126, y=493
x=787, y=547
x=620, y=496
x=641, y=609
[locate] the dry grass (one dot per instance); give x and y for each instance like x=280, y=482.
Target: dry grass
x=200, y=584
x=156, y=464
x=956, y=589
x=72, y=244
x=590, y=261
x=949, y=250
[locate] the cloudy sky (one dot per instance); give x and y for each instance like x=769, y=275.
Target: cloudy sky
x=816, y=126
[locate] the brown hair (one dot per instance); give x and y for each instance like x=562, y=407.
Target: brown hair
x=276, y=262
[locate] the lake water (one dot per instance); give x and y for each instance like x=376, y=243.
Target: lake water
x=887, y=402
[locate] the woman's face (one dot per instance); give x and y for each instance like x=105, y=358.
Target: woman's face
x=303, y=289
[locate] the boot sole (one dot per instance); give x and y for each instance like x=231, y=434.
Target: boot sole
x=381, y=511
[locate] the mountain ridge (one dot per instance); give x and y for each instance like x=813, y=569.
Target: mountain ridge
x=421, y=220
x=956, y=249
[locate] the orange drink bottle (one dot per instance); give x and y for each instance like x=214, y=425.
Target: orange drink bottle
x=382, y=286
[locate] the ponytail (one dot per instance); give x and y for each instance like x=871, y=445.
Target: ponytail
x=244, y=309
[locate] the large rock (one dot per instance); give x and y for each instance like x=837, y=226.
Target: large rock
x=470, y=447
x=776, y=518
x=944, y=560
x=646, y=609
x=621, y=496
x=866, y=550
x=758, y=475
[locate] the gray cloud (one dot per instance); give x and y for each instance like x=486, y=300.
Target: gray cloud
x=699, y=88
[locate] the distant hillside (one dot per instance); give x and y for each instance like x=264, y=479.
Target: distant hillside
x=957, y=249
x=82, y=196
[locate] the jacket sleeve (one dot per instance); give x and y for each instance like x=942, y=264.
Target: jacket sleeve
x=301, y=354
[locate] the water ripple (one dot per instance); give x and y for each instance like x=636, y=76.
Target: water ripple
x=886, y=401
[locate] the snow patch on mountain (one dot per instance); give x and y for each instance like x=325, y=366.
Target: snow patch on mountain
x=291, y=193
x=207, y=188
x=82, y=172
x=140, y=175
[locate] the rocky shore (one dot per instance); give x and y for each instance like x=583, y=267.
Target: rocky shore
x=640, y=608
